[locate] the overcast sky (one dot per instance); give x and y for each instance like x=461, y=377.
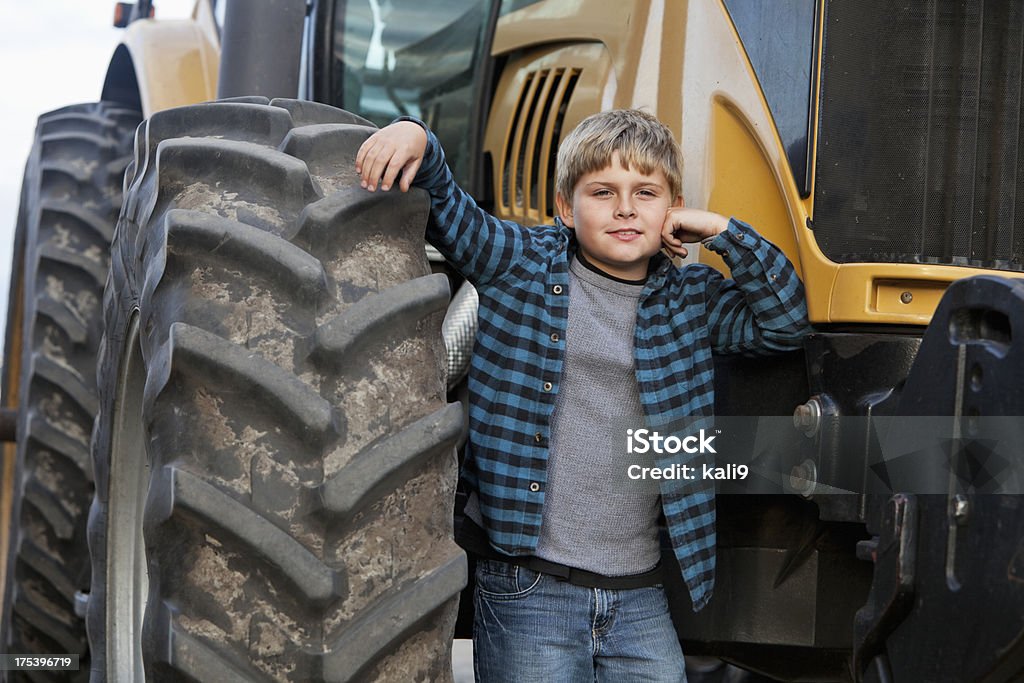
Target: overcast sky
x=54, y=53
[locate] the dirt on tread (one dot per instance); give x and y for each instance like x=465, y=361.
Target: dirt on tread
x=240, y=250
x=70, y=201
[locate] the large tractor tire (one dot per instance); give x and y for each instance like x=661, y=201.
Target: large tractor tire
x=70, y=200
x=274, y=455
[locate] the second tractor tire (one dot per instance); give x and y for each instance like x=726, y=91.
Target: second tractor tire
x=70, y=200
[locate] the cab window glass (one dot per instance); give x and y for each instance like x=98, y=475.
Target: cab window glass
x=778, y=36
x=412, y=57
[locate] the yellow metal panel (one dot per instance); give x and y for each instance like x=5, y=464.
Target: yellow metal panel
x=902, y=293
x=734, y=161
x=524, y=79
x=743, y=183
x=683, y=61
x=633, y=43
x=175, y=63
x=902, y=297
x=625, y=54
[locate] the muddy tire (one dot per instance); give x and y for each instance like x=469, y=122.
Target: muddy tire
x=274, y=454
x=70, y=200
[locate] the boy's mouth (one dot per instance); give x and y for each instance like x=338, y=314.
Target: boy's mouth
x=626, y=234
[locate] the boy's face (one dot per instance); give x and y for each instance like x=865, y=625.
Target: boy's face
x=618, y=214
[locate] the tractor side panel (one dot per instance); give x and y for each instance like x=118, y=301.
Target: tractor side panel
x=173, y=62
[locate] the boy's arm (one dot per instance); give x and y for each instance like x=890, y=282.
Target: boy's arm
x=762, y=308
x=481, y=247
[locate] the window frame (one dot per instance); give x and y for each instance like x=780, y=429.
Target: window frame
x=803, y=178
x=324, y=71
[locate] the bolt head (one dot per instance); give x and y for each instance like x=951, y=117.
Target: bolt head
x=803, y=478
x=807, y=417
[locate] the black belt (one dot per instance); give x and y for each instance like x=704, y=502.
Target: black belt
x=579, y=577
x=474, y=539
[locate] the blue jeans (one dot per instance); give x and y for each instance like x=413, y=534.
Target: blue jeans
x=530, y=627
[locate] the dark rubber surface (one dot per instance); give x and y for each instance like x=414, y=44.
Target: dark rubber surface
x=70, y=202
x=245, y=247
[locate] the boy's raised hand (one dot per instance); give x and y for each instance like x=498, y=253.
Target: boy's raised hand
x=683, y=224
x=392, y=150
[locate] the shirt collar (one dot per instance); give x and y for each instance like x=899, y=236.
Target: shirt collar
x=657, y=271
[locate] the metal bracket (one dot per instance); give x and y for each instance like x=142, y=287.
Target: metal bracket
x=892, y=590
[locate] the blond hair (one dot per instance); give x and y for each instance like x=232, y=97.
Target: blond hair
x=643, y=142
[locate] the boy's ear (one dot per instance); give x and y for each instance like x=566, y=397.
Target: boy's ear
x=564, y=210
x=678, y=203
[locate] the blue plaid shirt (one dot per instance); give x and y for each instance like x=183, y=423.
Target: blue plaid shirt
x=684, y=315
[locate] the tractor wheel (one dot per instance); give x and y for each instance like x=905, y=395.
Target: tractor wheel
x=70, y=200
x=274, y=455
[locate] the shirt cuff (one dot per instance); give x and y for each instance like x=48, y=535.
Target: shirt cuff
x=736, y=234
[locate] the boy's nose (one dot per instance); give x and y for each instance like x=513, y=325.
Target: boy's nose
x=625, y=209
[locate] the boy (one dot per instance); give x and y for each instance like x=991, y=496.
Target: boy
x=585, y=327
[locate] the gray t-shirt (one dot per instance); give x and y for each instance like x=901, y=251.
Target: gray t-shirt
x=594, y=517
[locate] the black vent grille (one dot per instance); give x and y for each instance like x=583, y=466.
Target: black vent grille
x=532, y=144
x=920, y=133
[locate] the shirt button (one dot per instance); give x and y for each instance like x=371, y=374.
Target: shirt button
x=774, y=277
x=538, y=437
x=534, y=486
x=554, y=337
x=557, y=289
x=548, y=386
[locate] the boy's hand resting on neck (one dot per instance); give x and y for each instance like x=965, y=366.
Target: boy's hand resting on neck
x=687, y=225
x=394, y=152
